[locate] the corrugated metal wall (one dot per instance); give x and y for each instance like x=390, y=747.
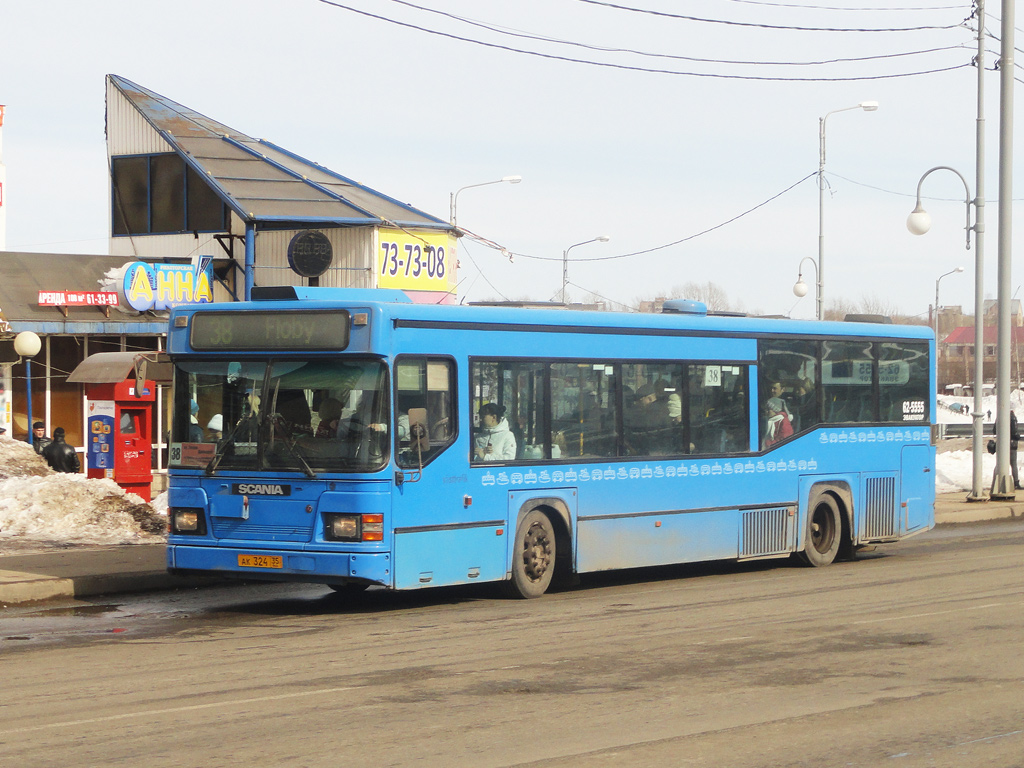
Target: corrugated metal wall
x=352, y=266
x=159, y=247
x=128, y=133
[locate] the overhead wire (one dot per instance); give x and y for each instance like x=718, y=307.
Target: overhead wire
x=676, y=57
x=845, y=8
x=681, y=240
x=630, y=307
x=649, y=70
x=481, y=272
x=788, y=28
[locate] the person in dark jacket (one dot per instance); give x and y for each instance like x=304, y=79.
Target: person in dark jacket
x=39, y=438
x=1014, y=437
x=61, y=456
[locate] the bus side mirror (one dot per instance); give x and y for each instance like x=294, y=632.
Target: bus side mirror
x=419, y=440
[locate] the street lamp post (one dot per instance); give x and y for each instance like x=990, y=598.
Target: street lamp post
x=27, y=346
x=565, y=261
x=919, y=222
x=455, y=195
x=936, y=318
x=867, y=106
x=800, y=289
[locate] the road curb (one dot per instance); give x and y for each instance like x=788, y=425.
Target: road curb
x=977, y=513
x=17, y=588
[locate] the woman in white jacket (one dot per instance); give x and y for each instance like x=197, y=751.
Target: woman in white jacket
x=495, y=442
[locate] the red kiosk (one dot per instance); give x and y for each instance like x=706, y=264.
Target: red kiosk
x=120, y=419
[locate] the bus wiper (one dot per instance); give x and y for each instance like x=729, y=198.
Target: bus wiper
x=222, y=449
x=268, y=431
x=290, y=444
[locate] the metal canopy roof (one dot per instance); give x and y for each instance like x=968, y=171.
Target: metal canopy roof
x=114, y=367
x=262, y=182
x=24, y=275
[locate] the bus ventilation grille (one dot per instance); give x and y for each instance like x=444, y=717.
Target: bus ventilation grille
x=228, y=528
x=765, y=532
x=880, y=508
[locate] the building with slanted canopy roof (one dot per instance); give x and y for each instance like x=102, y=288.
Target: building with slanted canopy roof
x=198, y=212
x=183, y=185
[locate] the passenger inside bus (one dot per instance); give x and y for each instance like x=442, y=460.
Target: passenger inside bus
x=495, y=441
x=778, y=420
x=648, y=423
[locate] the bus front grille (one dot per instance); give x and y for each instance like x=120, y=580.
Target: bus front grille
x=880, y=507
x=233, y=528
x=766, y=532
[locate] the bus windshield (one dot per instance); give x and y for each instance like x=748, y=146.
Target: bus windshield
x=307, y=416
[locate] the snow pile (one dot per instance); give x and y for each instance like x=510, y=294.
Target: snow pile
x=959, y=410
x=954, y=470
x=38, y=504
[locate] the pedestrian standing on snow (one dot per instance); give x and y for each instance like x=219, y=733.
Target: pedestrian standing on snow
x=39, y=438
x=60, y=456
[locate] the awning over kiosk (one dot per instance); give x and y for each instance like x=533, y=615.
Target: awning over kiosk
x=113, y=367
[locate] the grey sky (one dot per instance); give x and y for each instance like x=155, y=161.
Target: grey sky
x=646, y=158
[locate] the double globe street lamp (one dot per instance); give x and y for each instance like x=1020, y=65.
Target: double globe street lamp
x=919, y=222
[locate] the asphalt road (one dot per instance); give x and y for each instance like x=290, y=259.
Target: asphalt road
x=913, y=656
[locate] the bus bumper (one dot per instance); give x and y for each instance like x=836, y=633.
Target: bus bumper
x=316, y=567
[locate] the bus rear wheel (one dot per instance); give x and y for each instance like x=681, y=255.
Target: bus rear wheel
x=533, y=557
x=824, y=532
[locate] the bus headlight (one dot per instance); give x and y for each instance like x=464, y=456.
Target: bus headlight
x=188, y=521
x=342, y=527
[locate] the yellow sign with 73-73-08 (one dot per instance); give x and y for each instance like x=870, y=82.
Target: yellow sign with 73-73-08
x=415, y=260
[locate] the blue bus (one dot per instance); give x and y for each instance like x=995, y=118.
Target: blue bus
x=353, y=438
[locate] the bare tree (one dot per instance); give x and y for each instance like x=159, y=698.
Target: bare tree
x=711, y=294
x=838, y=309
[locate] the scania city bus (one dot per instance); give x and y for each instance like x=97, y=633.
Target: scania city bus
x=367, y=440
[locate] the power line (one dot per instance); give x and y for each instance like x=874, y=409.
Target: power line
x=682, y=240
x=911, y=194
x=609, y=65
x=600, y=296
x=676, y=57
x=481, y=272
x=838, y=8
x=682, y=17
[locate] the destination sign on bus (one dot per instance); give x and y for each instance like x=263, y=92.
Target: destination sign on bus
x=323, y=330
x=858, y=372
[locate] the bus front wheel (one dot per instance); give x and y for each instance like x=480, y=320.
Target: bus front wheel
x=533, y=557
x=824, y=532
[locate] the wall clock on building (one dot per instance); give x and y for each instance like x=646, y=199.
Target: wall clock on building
x=310, y=253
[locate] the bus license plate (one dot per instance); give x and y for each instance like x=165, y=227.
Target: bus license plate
x=260, y=561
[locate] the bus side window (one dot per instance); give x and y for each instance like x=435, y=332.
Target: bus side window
x=792, y=364
x=424, y=408
x=719, y=408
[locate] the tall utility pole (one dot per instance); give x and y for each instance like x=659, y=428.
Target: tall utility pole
x=1002, y=483
x=977, y=435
